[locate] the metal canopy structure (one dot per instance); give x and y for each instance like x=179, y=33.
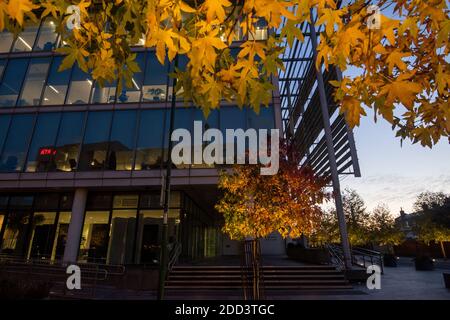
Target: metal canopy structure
x=311, y=120
x=301, y=113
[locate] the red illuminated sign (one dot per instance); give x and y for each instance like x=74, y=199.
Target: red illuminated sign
x=47, y=152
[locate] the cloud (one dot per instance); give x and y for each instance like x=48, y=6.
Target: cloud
x=396, y=190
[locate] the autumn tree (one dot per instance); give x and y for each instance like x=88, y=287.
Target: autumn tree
x=255, y=205
x=383, y=229
x=356, y=217
x=401, y=53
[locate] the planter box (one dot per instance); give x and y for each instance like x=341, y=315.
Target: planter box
x=314, y=256
x=423, y=264
x=447, y=280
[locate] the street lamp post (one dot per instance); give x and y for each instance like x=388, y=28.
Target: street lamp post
x=166, y=195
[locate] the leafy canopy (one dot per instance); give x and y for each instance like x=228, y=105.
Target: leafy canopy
x=255, y=205
x=405, y=68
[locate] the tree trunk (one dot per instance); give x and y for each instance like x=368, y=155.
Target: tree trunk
x=443, y=250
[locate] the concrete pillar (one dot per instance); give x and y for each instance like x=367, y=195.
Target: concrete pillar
x=76, y=226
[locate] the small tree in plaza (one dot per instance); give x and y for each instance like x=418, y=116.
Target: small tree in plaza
x=255, y=205
x=383, y=229
x=432, y=219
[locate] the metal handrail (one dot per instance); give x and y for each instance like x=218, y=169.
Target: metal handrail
x=174, y=255
x=367, y=256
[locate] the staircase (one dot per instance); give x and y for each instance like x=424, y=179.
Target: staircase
x=299, y=278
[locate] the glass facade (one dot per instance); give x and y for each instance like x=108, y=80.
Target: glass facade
x=35, y=226
x=107, y=140
x=118, y=228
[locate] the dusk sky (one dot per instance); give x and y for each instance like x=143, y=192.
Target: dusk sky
x=393, y=174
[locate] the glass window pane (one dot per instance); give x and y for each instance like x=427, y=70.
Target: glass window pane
x=150, y=138
x=95, y=145
x=80, y=87
x=41, y=156
x=149, y=234
x=56, y=88
x=42, y=235
x=123, y=233
x=99, y=201
x=25, y=40
x=94, y=238
x=12, y=82
x=15, y=235
x=6, y=40
x=69, y=139
x=62, y=229
x=16, y=145
x=105, y=94
x=264, y=120
x=21, y=202
x=155, y=82
x=47, y=36
x=126, y=201
x=212, y=122
x=4, y=126
x=2, y=67
x=121, y=147
x=34, y=82
x=133, y=94
x=184, y=119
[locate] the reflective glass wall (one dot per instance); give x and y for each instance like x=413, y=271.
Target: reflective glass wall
x=127, y=228
x=35, y=226
x=120, y=140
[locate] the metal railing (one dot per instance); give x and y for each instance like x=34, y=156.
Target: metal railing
x=361, y=257
x=174, y=255
x=54, y=272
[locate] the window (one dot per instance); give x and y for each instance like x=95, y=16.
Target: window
x=94, y=237
x=133, y=93
x=150, y=137
x=105, y=94
x=121, y=146
x=4, y=125
x=42, y=235
x=16, y=144
x=264, y=120
x=123, y=233
x=6, y=40
x=15, y=234
x=62, y=229
x=155, y=82
x=34, y=82
x=212, y=122
x=184, y=119
x=2, y=67
x=232, y=118
x=41, y=156
x=149, y=234
x=12, y=82
x=47, y=36
x=69, y=139
x=56, y=89
x=80, y=87
x=25, y=40
x=95, y=145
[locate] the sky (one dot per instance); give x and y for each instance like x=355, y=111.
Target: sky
x=395, y=174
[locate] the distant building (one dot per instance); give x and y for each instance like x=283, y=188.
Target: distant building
x=406, y=221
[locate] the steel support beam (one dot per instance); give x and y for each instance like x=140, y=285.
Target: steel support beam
x=331, y=153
